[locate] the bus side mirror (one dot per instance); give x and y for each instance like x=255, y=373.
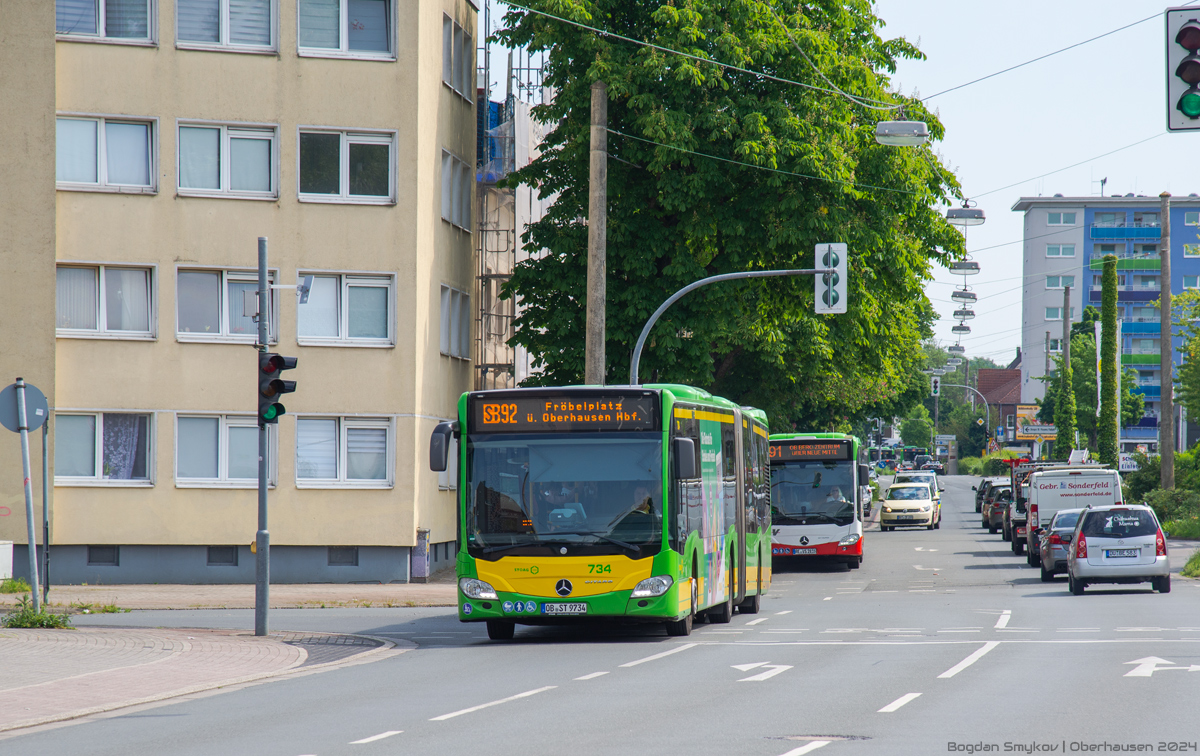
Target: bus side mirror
x=439, y=446
x=685, y=458
x=864, y=474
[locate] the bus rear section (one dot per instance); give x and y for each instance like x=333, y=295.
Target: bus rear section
x=584, y=503
x=818, y=487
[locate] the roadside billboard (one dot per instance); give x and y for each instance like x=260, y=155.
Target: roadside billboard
x=1029, y=428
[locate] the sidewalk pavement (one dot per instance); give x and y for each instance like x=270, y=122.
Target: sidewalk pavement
x=54, y=675
x=96, y=598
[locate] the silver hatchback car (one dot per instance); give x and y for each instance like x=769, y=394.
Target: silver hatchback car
x=1119, y=543
x=1054, y=542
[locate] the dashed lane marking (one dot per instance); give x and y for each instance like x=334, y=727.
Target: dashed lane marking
x=898, y=703
x=974, y=657
x=373, y=738
x=675, y=650
x=789, y=611
x=460, y=712
x=592, y=676
x=1005, y=616
x=814, y=745
x=755, y=622
x=827, y=598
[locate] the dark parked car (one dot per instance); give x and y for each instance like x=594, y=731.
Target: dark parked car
x=994, y=503
x=983, y=487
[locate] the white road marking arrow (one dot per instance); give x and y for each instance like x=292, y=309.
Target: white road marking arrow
x=748, y=667
x=922, y=548
x=771, y=671
x=1148, y=666
x=926, y=569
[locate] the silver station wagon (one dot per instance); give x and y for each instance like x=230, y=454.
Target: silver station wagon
x=1119, y=543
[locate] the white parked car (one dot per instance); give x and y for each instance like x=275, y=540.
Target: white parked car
x=1118, y=544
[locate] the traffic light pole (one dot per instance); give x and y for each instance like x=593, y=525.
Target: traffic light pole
x=641, y=342
x=262, y=564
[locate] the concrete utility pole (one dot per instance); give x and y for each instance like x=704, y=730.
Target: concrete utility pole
x=593, y=371
x=1047, y=371
x=1166, y=423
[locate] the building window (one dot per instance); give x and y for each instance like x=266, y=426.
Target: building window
x=343, y=452
x=219, y=450
x=234, y=25
x=343, y=556
x=458, y=181
x=1060, y=219
x=101, y=447
x=104, y=556
x=1060, y=250
x=1191, y=250
x=1056, y=346
x=104, y=153
x=103, y=301
x=1055, y=313
x=1059, y=282
x=211, y=306
x=1145, y=219
x=222, y=556
x=347, y=310
x=349, y=28
x=458, y=67
x=1191, y=218
x=1145, y=314
x=1109, y=219
x=346, y=166
x=1191, y=282
x=227, y=161
x=123, y=20
x=456, y=323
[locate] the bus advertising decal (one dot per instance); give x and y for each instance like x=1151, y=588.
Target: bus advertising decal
x=564, y=413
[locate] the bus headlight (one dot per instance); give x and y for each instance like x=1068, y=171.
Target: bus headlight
x=849, y=540
x=476, y=589
x=652, y=586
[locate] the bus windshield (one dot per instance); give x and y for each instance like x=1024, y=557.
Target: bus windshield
x=535, y=494
x=812, y=493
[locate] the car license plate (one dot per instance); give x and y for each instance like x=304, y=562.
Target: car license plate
x=1121, y=552
x=801, y=552
x=579, y=608
x=904, y=517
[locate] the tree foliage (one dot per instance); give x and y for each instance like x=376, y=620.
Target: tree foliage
x=681, y=206
x=1108, y=443
x=1064, y=409
x=917, y=428
x=1083, y=378
x=1185, y=312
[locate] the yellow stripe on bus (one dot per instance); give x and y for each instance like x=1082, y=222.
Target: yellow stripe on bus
x=715, y=417
x=760, y=431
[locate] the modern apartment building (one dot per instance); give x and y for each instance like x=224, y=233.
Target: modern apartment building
x=1065, y=241
x=150, y=143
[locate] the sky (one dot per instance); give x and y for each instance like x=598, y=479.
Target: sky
x=1067, y=109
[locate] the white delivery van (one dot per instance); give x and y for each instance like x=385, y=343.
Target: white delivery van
x=1066, y=488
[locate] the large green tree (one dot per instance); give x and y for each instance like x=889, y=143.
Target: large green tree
x=716, y=170
x=1083, y=379
x=1108, y=442
x=1185, y=314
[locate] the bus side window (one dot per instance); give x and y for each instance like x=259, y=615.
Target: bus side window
x=689, y=504
x=729, y=473
x=749, y=476
x=764, y=476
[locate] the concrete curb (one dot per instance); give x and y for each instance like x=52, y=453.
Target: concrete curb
x=387, y=649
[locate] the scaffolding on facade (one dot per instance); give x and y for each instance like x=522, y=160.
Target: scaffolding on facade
x=507, y=139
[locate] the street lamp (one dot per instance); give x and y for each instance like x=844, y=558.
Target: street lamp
x=956, y=349
x=962, y=296
x=964, y=268
x=961, y=329
x=902, y=133
x=964, y=314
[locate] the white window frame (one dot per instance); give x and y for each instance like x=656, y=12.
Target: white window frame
x=1195, y=282
x=458, y=58
x=102, y=184
x=452, y=305
x=101, y=331
x=228, y=131
x=1191, y=218
x=1058, y=313
x=1191, y=250
x=457, y=191
x=348, y=137
x=344, y=50
x=240, y=275
x=99, y=480
x=151, y=40
x=346, y=279
x=344, y=422
x=1056, y=282
x=1061, y=221
x=1059, y=248
x=1056, y=346
x=224, y=45
x=224, y=423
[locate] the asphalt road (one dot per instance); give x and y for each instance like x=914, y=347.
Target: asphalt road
x=944, y=641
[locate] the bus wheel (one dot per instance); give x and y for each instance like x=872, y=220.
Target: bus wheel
x=501, y=630
x=854, y=564
x=719, y=615
x=682, y=628
x=751, y=604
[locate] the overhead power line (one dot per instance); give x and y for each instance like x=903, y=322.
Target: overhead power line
x=1073, y=165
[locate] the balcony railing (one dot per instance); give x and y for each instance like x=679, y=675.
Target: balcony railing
x=1131, y=287
x=1126, y=231
x=1141, y=350
x=1139, y=319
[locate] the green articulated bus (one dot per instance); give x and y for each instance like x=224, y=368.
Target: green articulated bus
x=644, y=503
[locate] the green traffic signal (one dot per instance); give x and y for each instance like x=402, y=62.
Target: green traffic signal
x=271, y=386
x=1189, y=104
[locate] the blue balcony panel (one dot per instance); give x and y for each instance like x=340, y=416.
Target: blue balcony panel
x=1126, y=232
x=1148, y=422
x=1128, y=328
x=1150, y=392
x=1138, y=433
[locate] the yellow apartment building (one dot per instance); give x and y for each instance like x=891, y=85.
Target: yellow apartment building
x=149, y=144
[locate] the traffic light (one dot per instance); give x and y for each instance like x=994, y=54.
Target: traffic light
x=831, y=287
x=1183, y=69
x=935, y=385
x=270, y=385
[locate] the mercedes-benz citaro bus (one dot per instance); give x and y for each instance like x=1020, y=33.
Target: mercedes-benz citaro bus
x=819, y=489
x=644, y=503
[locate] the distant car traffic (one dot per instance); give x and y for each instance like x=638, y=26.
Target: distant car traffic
x=1054, y=542
x=910, y=504
x=935, y=466
x=1118, y=544
x=989, y=501
x=982, y=488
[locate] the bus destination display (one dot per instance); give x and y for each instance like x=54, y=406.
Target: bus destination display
x=814, y=450
x=564, y=413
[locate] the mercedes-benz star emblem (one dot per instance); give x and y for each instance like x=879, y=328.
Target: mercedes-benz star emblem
x=803, y=540
x=563, y=587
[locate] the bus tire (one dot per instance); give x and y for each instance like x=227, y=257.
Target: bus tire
x=719, y=615
x=854, y=564
x=501, y=630
x=750, y=605
x=683, y=628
